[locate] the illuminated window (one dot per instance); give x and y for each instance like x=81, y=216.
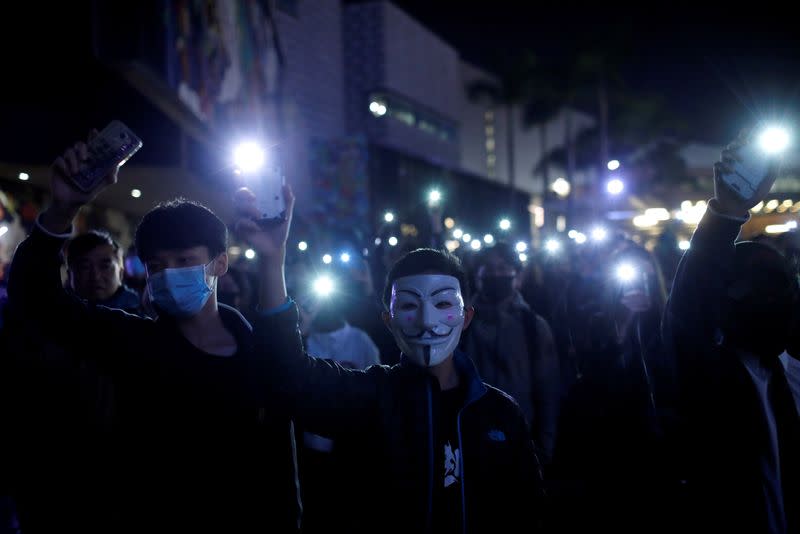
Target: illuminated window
x=491, y=145
x=387, y=105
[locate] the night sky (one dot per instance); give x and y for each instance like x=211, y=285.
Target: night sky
x=716, y=68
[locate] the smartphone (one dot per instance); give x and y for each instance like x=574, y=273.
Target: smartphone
x=268, y=188
x=109, y=149
x=749, y=171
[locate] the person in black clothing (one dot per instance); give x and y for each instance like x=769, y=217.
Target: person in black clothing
x=95, y=271
x=512, y=346
x=729, y=321
x=441, y=450
x=610, y=445
x=197, y=442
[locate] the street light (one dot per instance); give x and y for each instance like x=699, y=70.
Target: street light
x=505, y=224
x=327, y=259
x=388, y=216
x=393, y=241
x=345, y=257
x=613, y=165
x=476, y=244
x=684, y=244
x=488, y=239
x=457, y=233
x=249, y=253
x=521, y=246
x=466, y=238
x=434, y=197
x=303, y=246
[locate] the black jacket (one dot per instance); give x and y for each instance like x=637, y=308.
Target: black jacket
x=195, y=442
x=722, y=424
x=390, y=410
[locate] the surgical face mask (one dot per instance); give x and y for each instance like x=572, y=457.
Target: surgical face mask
x=180, y=292
x=427, y=317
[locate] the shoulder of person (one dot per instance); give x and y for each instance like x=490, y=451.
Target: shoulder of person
x=500, y=399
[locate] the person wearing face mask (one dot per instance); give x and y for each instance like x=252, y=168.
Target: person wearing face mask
x=729, y=321
x=617, y=399
x=441, y=450
x=513, y=347
x=197, y=442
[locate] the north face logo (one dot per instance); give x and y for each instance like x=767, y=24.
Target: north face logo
x=496, y=435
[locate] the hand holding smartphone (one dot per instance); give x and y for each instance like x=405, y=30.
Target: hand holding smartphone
x=110, y=149
x=753, y=162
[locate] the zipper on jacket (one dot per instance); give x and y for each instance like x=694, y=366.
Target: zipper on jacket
x=429, y=521
x=463, y=492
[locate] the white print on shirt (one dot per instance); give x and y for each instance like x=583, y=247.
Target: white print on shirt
x=452, y=465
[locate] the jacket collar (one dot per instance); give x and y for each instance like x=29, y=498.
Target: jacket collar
x=465, y=368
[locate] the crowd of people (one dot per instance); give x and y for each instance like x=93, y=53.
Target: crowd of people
x=417, y=390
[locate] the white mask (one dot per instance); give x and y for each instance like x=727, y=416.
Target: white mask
x=427, y=317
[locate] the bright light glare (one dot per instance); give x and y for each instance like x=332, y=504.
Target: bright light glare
x=521, y=246
x=249, y=157
x=488, y=239
x=249, y=253
x=302, y=245
x=523, y=257
x=561, y=187
x=457, y=233
x=599, y=234
x=774, y=140
x=24, y=176
x=327, y=258
x=552, y=246
x=345, y=257
x=377, y=108
x=135, y=193
x=615, y=186
x=388, y=216
x=580, y=238
x=3, y=230
x=613, y=165
x=626, y=272
x=449, y=223
x=323, y=286
x=476, y=244
x=572, y=233
x=505, y=224
x=434, y=197
x=684, y=244
x=393, y=241
x=466, y=238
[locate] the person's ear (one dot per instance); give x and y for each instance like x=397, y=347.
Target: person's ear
x=220, y=265
x=469, y=314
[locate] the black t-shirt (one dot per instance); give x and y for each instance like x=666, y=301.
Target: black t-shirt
x=447, y=463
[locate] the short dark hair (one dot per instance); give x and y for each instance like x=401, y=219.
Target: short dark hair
x=765, y=269
x=81, y=245
x=180, y=224
x=427, y=260
x=504, y=251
